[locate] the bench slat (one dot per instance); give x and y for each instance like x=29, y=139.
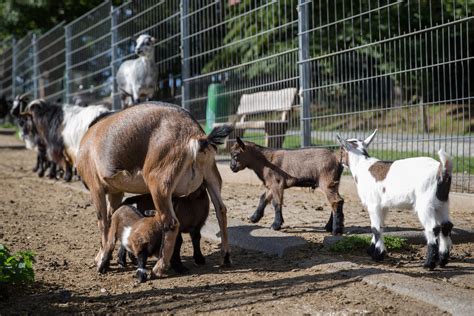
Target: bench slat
x=266, y=101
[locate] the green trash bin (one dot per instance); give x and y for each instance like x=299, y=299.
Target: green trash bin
x=216, y=105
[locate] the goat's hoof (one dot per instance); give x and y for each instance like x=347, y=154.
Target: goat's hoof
x=276, y=226
x=378, y=255
x=337, y=231
x=141, y=276
x=34, y=169
x=429, y=265
x=41, y=174
x=443, y=260
x=328, y=227
x=371, y=249
x=226, y=262
x=255, y=218
x=102, y=269
x=200, y=260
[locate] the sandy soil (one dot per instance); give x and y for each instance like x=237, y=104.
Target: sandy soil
x=59, y=225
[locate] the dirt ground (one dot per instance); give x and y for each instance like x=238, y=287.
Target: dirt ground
x=59, y=225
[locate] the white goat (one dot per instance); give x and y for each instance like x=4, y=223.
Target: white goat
x=76, y=122
x=421, y=184
x=137, y=78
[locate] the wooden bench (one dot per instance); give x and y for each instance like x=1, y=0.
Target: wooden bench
x=279, y=101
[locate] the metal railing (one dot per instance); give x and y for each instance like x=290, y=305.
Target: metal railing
x=403, y=67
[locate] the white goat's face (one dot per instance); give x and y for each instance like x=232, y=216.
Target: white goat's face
x=356, y=146
x=144, y=45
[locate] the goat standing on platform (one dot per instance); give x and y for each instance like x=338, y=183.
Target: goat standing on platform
x=420, y=183
x=136, y=78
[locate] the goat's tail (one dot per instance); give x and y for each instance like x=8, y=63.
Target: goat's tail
x=215, y=137
x=443, y=176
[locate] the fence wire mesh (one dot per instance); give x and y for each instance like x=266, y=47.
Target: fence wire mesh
x=288, y=73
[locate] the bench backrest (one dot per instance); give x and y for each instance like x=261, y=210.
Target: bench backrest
x=279, y=100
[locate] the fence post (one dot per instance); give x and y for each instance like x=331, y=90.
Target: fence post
x=34, y=42
x=116, y=104
x=185, y=71
x=14, y=64
x=68, y=72
x=304, y=71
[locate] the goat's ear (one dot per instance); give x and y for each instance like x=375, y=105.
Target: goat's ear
x=343, y=142
x=369, y=139
x=241, y=143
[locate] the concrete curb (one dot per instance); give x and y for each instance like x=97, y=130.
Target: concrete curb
x=7, y=131
x=252, y=237
x=458, y=235
x=446, y=297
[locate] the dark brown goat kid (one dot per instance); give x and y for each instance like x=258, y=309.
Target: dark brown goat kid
x=191, y=211
x=281, y=169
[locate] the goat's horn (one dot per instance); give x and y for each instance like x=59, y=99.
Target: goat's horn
x=24, y=95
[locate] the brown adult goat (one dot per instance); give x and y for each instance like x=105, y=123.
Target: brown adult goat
x=155, y=148
x=191, y=211
x=281, y=169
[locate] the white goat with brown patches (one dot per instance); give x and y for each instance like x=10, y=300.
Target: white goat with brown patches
x=420, y=183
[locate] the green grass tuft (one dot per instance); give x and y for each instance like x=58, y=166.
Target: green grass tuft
x=353, y=243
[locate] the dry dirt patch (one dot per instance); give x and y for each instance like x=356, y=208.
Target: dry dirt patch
x=59, y=225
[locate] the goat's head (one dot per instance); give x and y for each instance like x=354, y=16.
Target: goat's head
x=241, y=154
x=145, y=45
x=354, y=146
x=34, y=108
x=19, y=104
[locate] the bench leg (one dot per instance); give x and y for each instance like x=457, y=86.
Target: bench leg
x=275, y=134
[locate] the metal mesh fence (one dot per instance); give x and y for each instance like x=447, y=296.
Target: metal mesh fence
x=6, y=70
x=402, y=67
x=241, y=55
x=160, y=19
x=51, y=64
x=88, y=57
x=288, y=73
x=23, y=60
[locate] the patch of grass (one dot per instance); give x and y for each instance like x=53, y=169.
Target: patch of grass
x=353, y=243
x=7, y=125
x=16, y=268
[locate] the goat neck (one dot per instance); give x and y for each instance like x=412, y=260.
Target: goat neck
x=359, y=163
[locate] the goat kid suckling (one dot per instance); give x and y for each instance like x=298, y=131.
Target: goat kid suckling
x=136, y=78
x=191, y=211
x=281, y=169
x=420, y=183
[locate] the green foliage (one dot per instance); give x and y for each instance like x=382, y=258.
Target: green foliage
x=355, y=243
x=16, y=268
x=18, y=17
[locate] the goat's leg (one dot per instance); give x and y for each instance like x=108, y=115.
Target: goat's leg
x=176, y=263
x=265, y=198
x=197, y=254
x=67, y=171
x=52, y=170
x=38, y=163
x=108, y=249
x=122, y=257
x=336, y=221
x=377, y=246
x=161, y=190
x=445, y=243
x=277, y=202
x=100, y=204
x=214, y=186
x=427, y=215
x=141, y=271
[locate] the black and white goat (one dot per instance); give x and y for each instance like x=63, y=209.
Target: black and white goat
x=420, y=183
x=30, y=135
x=62, y=128
x=136, y=78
